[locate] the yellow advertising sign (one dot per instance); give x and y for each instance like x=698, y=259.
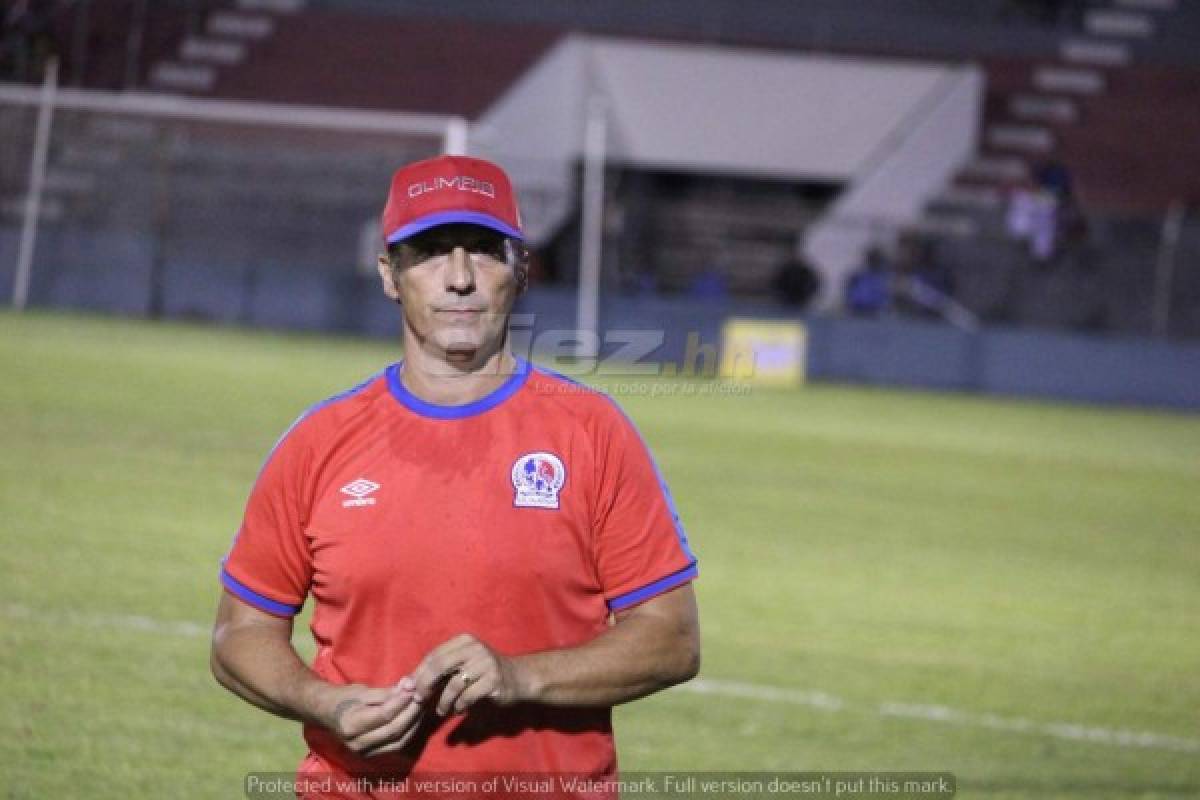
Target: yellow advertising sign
x=771, y=353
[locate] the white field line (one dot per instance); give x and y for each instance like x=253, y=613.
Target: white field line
x=128, y=622
x=712, y=686
x=944, y=714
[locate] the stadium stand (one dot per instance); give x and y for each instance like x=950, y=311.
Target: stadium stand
x=1107, y=90
x=411, y=64
x=1132, y=148
x=1075, y=89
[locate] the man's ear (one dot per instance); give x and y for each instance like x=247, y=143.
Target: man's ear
x=522, y=270
x=387, y=277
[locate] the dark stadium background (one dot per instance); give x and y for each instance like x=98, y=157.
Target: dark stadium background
x=961, y=536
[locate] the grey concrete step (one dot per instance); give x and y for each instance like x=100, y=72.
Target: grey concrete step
x=1043, y=108
x=1147, y=5
x=997, y=168
x=174, y=76
x=1131, y=24
x=984, y=198
x=1069, y=80
x=945, y=224
x=1096, y=52
x=241, y=26
x=1023, y=138
x=271, y=6
x=225, y=52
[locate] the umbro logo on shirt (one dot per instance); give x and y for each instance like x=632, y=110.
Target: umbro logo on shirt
x=358, y=491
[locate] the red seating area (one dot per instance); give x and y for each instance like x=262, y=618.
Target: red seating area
x=323, y=58
x=94, y=45
x=1135, y=146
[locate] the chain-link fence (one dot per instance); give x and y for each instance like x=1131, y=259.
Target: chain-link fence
x=263, y=215
x=165, y=207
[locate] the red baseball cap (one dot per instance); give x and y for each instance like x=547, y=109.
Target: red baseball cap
x=446, y=190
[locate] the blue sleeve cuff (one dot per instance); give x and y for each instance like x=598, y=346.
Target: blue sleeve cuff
x=251, y=597
x=690, y=572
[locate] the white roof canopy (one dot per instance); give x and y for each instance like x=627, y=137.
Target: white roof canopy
x=710, y=109
x=720, y=110
x=891, y=133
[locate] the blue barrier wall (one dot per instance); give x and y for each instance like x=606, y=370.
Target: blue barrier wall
x=890, y=352
x=1044, y=364
x=1090, y=369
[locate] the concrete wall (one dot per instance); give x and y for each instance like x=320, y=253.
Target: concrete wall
x=1026, y=363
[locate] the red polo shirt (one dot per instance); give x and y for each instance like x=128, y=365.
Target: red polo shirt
x=524, y=518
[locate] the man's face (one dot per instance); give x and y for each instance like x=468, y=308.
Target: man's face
x=457, y=284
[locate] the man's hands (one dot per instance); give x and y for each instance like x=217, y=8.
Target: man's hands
x=652, y=645
x=459, y=673
x=456, y=674
x=369, y=721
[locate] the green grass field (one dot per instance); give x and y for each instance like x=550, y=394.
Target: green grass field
x=895, y=551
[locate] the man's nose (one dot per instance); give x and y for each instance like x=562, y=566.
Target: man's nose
x=460, y=272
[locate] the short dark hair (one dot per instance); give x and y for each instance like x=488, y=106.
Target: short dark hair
x=516, y=253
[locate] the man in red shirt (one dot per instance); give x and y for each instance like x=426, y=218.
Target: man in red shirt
x=494, y=558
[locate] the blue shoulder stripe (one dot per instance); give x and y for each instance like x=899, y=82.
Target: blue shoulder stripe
x=308, y=413
x=680, y=533
x=651, y=589
x=261, y=602
x=317, y=407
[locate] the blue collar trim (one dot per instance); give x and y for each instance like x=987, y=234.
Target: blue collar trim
x=435, y=411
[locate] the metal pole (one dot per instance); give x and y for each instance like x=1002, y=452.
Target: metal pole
x=37, y=179
x=1164, y=274
x=455, y=143
x=161, y=222
x=594, y=155
x=133, y=45
x=80, y=44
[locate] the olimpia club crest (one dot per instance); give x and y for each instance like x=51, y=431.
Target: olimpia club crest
x=537, y=477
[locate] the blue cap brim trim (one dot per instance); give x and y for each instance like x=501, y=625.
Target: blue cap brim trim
x=423, y=224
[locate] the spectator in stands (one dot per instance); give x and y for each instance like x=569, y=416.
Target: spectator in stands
x=924, y=285
x=28, y=39
x=1055, y=177
x=869, y=288
x=931, y=273
x=795, y=283
x=12, y=38
x=927, y=285
x=1033, y=218
x=710, y=284
x=1044, y=212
